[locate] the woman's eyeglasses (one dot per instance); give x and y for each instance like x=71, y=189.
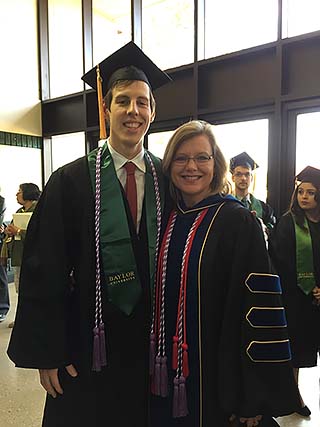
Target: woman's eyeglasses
x=200, y=159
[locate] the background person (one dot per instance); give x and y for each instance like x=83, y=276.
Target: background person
x=27, y=196
x=4, y=291
x=242, y=168
x=217, y=348
x=295, y=251
x=84, y=306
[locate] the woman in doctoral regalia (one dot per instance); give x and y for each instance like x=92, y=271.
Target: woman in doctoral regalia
x=219, y=348
x=295, y=251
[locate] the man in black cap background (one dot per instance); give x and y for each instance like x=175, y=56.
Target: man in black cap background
x=4, y=291
x=242, y=168
x=87, y=275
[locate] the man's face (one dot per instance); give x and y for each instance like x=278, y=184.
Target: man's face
x=242, y=178
x=129, y=116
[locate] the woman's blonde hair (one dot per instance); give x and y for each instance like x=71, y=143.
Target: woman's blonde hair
x=219, y=183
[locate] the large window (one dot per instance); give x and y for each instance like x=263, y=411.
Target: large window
x=66, y=148
x=252, y=137
x=300, y=16
x=158, y=141
x=18, y=165
x=65, y=47
x=111, y=27
x=168, y=31
x=19, y=98
x=232, y=25
x=307, y=142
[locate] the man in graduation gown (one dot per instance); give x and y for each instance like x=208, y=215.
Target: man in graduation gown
x=241, y=168
x=89, y=259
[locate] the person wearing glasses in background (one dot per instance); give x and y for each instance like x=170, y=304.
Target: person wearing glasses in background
x=295, y=252
x=219, y=355
x=242, y=168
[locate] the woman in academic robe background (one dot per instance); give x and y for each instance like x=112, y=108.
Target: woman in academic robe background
x=218, y=346
x=295, y=252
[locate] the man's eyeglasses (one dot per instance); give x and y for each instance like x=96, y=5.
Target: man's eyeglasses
x=200, y=159
x=240, y=174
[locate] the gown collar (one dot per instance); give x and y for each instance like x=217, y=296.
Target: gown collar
x=208, y=202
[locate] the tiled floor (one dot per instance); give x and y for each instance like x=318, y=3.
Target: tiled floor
x=310, y=390
x=22, y=398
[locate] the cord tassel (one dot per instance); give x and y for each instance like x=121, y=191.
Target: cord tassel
x=175, y=353
x=157, y=377
x=164, y=377
x=96, y=364
x=175, y=406
x=182, y=403
x=152, y=353
x=102, y=344
x=185, y=362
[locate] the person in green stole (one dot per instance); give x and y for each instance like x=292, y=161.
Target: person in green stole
x=295, y=252
x=89, y=261
x=242, y=168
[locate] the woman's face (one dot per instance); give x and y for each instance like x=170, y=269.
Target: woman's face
x=192, y=169
x=306, y=196
x=19, y=196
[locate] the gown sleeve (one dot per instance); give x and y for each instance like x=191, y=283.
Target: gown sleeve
x=255, y=352
x=40, y=334
x=269, y=218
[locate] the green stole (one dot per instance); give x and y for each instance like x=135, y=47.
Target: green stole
x=304, y=258
x=117, y=256
x=256, y=206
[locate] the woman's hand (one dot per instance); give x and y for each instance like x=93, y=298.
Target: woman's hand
x=316, y=293
x=50, y=381
x=12, y=230
x=251, y=422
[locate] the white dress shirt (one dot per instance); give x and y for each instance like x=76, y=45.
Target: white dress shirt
x=119, y=161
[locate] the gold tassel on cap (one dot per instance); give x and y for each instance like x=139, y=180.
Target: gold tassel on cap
x=102, y=120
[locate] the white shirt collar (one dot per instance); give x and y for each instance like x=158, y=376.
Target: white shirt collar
x=247, y=197
x=119, y=160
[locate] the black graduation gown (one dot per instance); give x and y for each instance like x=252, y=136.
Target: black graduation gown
x=55, y=315
x=223, y=380
x=267, y=215
x=302, y=314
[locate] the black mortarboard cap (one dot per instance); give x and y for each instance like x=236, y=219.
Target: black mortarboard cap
x=310, y=174
x=127, y=63
x=242, y=159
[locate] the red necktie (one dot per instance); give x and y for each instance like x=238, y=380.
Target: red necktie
x=131, y=190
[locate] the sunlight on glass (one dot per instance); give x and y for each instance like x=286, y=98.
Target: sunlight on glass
x=252, y=137
x=66, y=148
x=65, y=47
x=18, y=165
x=158, y=141
x=300, y=17
x=232, y=25
x=168, y=31
x=111, y=27
x=308, y=146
